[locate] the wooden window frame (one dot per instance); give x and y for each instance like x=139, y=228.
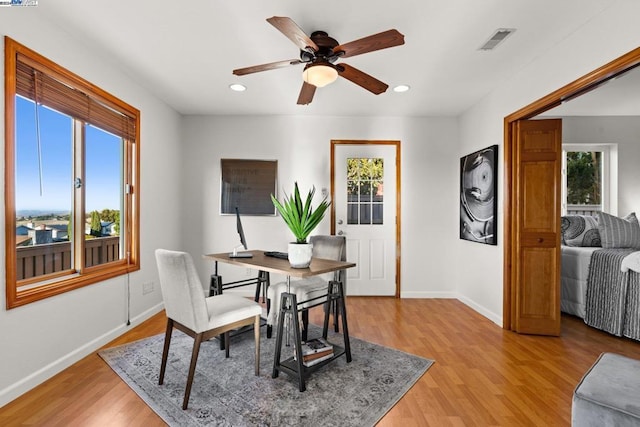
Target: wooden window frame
x=108, y=107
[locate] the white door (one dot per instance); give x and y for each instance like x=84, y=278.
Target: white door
x=365, y=212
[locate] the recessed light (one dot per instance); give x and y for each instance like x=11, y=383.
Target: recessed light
x=237, y=87
x=401, y=88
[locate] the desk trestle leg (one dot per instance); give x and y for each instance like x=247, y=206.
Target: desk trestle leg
x=289, y=313
x=288, y=305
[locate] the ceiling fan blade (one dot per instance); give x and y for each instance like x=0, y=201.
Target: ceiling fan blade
x=306, y=93
x=362, y=79
x=293, y=32
x=266, y=67
x=371, y=43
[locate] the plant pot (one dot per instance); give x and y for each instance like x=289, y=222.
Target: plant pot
x=300, y=254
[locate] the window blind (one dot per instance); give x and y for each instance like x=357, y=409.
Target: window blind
x=55, y=90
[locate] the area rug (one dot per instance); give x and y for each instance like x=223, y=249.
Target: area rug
x=227, y=393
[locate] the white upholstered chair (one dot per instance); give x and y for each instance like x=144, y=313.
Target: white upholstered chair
x=326, y=247
x=201, y=318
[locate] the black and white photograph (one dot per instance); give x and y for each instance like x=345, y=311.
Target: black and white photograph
x=478, y=196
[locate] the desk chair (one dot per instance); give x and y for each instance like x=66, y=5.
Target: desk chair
x=327, y=247
x=201, y=318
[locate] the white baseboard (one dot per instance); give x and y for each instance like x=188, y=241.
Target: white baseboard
x=429, y=295
x=24, y=385
x=495, y=318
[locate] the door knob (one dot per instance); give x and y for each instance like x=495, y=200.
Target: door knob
x=540, y=240
x=339, y=222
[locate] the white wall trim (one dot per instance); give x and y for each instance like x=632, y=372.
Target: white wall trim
x=24, y=385
x=429, y=294
x=495, y=318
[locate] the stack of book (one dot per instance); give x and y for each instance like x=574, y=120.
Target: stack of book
x=315, y=351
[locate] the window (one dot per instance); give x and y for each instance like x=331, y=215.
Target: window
x=71, y=174
x=365, y=190
x=588, y=182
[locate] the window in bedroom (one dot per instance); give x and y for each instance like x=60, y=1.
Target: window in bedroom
x=71, y=174
x=588, y=181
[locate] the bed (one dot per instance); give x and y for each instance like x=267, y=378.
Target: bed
x=574, y=272
x=598, y=283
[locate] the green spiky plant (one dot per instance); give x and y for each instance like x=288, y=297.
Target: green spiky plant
x=300, y=218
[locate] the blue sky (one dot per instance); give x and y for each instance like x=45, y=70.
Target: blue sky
x=102, y=164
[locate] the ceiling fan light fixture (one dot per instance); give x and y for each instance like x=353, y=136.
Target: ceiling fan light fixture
x=320, y=74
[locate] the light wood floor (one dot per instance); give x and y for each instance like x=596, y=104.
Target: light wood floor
x=483, y=375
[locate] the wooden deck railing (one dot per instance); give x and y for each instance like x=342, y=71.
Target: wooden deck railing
x=583, y=209
x=38, y=260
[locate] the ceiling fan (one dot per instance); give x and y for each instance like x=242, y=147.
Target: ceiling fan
x=319, y=52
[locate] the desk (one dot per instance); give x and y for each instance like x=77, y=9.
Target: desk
x=289, y=304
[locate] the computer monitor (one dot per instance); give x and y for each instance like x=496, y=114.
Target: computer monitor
x=243, y=241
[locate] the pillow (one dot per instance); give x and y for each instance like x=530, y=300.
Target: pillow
x=580, y=230
x=619, y=232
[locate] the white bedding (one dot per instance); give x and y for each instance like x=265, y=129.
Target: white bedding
x=574, y=272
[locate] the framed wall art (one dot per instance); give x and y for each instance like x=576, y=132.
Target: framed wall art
x=478, y=196
x=247, y=185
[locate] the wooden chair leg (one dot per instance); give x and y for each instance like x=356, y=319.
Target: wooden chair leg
x=256, y=336
x=165, y=351
x=192, y=369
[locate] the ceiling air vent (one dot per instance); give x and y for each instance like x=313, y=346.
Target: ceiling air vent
x=498, y=37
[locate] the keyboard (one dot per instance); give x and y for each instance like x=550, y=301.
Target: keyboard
x=276, y=254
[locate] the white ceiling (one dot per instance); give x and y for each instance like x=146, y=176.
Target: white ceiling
x=184, y=51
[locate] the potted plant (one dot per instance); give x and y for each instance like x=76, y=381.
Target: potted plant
x=301, y=219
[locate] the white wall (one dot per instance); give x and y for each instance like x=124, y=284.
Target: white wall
x=42, y=338
x=302, y=147
x=625, y=133
x=481, y=281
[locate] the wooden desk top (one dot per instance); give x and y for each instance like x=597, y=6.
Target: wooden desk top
x=260, y=261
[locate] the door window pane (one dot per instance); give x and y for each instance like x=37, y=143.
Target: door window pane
x=365, y=190
x=352, y=213
x=377, y=213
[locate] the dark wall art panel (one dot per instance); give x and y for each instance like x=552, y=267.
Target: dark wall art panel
x=478, y=196
x=248, y=184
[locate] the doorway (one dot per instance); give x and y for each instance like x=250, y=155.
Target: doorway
x=513, y=261
x=365, y=190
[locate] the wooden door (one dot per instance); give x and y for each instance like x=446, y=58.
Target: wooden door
x=365, y=203
x=536, y=238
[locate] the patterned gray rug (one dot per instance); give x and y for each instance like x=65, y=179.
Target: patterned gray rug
x=227, y=393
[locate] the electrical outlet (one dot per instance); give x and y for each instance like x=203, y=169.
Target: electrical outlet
x=147, y=288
